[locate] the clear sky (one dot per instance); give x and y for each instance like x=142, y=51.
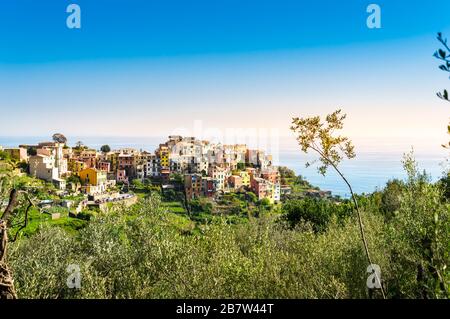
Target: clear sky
x=146, y=68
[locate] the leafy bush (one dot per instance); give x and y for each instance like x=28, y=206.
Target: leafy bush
x=318, y=212
x=138, y=253
x=87, y=214
x=420, y=238
x=314, y=251
x=201, y=205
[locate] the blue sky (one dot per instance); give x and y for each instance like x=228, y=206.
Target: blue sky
x=146, y=68
x=35, y=31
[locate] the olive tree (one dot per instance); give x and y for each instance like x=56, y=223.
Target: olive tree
x=319, y=136
x=443, y=54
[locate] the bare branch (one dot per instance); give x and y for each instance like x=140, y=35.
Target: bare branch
x=25, y=224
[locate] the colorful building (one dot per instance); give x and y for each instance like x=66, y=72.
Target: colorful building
x=104, y=166
x=126, y=162
x=219, y=175
x=164, y=156
x=245, y=178
x=272, y=175
x=235, y=181
x=276, y=193
x=193, y=185
x=121, y=176
x=208, y=187
x=93, y=181
x=75, y=166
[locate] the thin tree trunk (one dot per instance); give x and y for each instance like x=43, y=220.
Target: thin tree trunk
x=7, y=290
x=361, y=226
x=186, y=202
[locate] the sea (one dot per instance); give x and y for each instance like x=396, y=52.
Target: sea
x=377, y=160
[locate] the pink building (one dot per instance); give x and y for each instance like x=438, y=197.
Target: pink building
x=121, y=176
x=272, y=175
x=260, y=187
x=104, y=166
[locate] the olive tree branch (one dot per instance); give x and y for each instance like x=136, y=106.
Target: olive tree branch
x=355, y=202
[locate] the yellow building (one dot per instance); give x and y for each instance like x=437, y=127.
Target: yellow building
x=164, y=156
x=245, y=178
x=113, y=158
x=93, y=181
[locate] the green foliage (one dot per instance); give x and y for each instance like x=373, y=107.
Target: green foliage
x=443, y=55
x=170, y=195
x=201, y=205
x=139, y=252
x=59, y=138
x=313, y=134
x=264, y=202
x=286, y=172
x=74, y=179
x=105, y=148
x=288, y=177
x=38, y=219
x=445, y=184
x=391, y=197
x=137, y=183
x=251, y=197
x=31, y=151
x=176, y=178
x=23, y=166
x=87, y=214
x=4, y=156
x=318, y=212
x=175, y=207
x=313, y=250
x=420, y=238
x=299, y=180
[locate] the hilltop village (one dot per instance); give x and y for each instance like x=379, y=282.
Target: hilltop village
x=195, y=168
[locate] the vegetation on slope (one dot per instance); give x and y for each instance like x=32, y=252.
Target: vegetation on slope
x=145, y=251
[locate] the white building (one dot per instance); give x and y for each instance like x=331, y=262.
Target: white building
x=276, y=192
x=151, y=167
x=43, y=167
x=54, y=150
x=219, y=175
x=201, y=164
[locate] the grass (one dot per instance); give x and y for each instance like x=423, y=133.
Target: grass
x=174, y=207
x=140, y=193
x=37, y=219
x=182, y=223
